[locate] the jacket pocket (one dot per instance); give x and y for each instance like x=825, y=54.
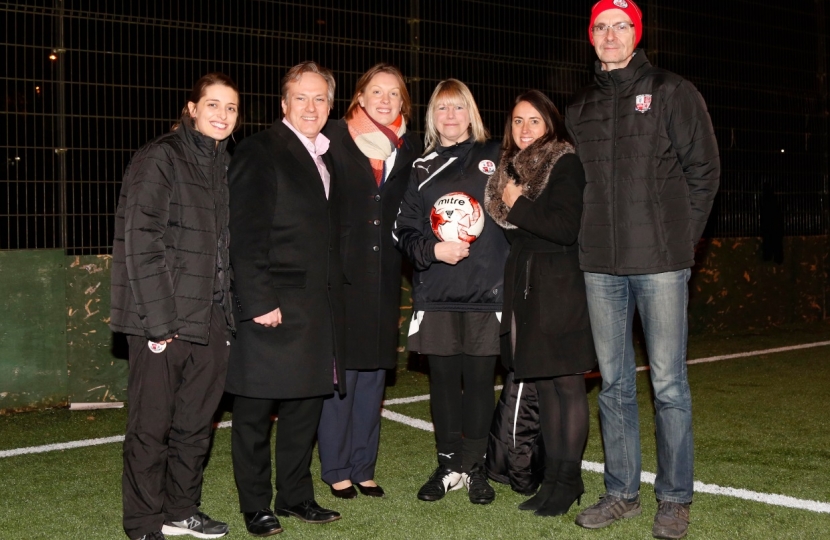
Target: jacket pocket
x=561, y=301
x=288, y=277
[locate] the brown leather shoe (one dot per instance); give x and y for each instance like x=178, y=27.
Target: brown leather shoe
x=671, y=520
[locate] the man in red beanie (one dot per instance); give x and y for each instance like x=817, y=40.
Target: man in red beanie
x=652, y=168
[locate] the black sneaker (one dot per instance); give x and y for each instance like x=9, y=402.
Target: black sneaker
x=478, y=488
x=440, y=482
x=199, y=525
x=152, y=536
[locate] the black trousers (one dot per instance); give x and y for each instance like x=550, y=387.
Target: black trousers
x=173, y=396
x=251, y=448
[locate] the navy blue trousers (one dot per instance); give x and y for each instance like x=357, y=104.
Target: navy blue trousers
x=349, y=428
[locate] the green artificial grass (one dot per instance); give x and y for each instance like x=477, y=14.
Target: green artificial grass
x=760, y=424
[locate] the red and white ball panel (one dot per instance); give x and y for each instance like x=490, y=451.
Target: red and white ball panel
x=457, y=217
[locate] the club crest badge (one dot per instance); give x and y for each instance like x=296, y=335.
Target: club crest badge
x=643, y=103
x=156, y=347
x=487, y=167
x=621, y=4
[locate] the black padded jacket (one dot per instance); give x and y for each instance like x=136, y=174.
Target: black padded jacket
x=652, y=169
x=170, y=249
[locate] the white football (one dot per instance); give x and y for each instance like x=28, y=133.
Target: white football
x=457, y=217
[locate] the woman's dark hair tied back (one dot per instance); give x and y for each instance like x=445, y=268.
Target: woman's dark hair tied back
x=198, y=92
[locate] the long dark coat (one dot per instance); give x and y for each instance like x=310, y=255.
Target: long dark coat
x=371, y=263
x=284, y=254
x=544, y=287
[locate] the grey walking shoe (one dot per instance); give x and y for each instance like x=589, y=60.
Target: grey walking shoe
x=199, y=525
x=671, y=520
x=608, y=510
x=157, y=535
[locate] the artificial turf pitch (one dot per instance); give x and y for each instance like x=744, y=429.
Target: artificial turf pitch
x=761, y=424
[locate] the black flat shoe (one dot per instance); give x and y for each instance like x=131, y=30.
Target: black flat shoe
x=345, y=493
x=310, y=512
x=262, y=523
x=371, y=491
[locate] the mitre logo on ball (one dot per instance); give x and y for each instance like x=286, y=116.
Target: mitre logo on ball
x=457, y=217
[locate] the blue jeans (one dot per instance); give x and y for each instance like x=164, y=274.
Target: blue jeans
x=662, y=301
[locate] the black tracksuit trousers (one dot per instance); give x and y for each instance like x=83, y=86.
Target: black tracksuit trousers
x=173, y=396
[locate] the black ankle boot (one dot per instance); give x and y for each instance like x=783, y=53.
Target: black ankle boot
x=569, y=488
x=548, y=485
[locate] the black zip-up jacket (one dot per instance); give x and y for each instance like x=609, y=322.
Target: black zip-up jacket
x=170, y=250
x=476, y=282
x=652, y=168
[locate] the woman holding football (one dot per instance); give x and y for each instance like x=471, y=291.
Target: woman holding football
x=536, y=196
x=458, y=255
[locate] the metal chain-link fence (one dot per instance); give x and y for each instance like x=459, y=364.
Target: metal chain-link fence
x=87, y=82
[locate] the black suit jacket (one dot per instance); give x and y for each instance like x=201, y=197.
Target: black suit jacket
x=371, y=263
x=284, y=251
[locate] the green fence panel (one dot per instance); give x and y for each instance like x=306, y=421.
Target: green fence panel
x=96, y=358
x=32, y=330
x=56, y=347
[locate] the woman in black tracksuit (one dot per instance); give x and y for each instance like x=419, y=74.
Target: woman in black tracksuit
x=171, y=297
x=457, y=285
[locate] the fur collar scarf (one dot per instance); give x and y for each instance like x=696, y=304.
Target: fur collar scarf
x=529, y=168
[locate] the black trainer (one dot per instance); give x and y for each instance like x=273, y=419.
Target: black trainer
x=199, y=525
x=478, y=488
x=442, y=480
x=156, y=535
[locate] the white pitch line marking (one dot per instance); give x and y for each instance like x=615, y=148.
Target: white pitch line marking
x=747, y=354
x=407, y=420
x=758, y=353
x=415, y=399
x=60, y=446
x=645, y=477
x=649, y=478
x=396, y=401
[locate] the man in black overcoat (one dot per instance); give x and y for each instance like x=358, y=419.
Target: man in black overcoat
x=288, y=283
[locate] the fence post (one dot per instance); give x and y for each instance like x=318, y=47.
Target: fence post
x=61, y=149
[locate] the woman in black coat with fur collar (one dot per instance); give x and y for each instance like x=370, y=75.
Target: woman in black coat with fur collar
x=536, y=196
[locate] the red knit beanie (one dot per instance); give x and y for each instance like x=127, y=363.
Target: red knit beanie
x=630, y=9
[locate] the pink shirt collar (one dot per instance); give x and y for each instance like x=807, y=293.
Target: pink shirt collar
x=316, y=150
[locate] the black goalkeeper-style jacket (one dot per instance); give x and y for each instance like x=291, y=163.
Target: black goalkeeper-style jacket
x=476, y=282
x=652, y=169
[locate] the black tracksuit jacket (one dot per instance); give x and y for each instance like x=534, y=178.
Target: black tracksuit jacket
x=476, y=282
